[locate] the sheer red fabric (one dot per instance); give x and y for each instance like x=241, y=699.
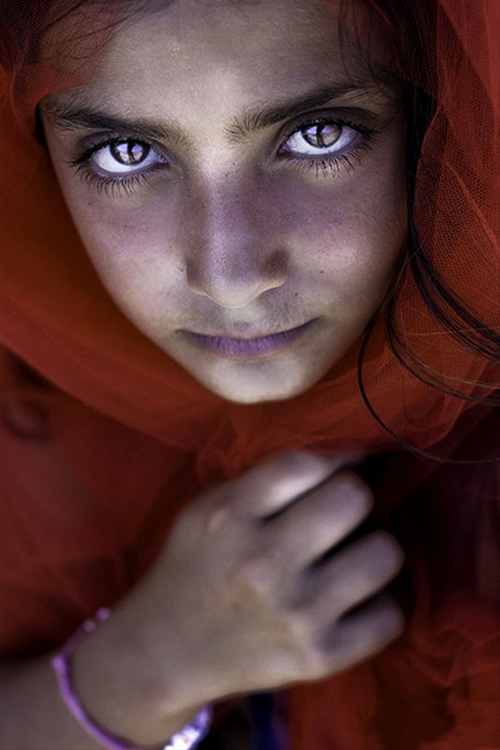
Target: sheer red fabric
x=98, y=449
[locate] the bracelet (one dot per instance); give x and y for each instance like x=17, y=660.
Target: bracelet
x=186, y=739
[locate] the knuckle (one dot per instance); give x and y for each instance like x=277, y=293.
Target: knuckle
x=312, y=645
x=356, y=493
x=305, y=468
x=219, y=514
x=317, y=664
x=343, y=647
x=312, y=662
x=300, y=632
x=299, y=626
x=255, y=577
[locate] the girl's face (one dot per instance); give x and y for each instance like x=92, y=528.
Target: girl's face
x=238, y=181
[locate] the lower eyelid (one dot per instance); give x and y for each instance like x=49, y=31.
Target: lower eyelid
x=331, y=165
x=114, y=186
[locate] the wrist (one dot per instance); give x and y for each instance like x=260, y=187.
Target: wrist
x=117, y=702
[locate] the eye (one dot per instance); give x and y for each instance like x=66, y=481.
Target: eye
x=321, y=139
x=125, y=157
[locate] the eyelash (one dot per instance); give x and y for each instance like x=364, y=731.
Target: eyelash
x=111, y=184
x=327, y=165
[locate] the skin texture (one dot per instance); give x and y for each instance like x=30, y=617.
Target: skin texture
x=241, y=600
x=234, y=235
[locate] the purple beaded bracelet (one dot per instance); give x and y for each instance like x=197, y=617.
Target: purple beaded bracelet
x=187, y=738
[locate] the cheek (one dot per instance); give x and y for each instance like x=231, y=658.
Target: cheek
x=128, y=243
x=355, y=227
x=128, y=249
x=347, y=246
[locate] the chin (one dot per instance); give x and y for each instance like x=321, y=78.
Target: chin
x=255, y=396
x=257, y=389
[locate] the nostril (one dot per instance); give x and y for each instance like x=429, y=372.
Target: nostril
x=276, y=269
x=236, y=282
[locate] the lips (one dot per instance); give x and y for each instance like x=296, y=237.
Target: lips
x=256, y=347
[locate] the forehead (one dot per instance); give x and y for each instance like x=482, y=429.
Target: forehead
x=151, y=44
x=213, y=71
x=223, y=38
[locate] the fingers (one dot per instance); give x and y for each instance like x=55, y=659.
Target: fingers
x=331, y=634
x=346, y=642
x=313, y=525
x=273, y=485
x=354, y=576
x=362, y=635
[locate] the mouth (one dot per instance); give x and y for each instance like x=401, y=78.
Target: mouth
x=256, y=347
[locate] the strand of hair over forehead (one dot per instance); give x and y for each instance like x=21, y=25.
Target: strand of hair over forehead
x=23, y=23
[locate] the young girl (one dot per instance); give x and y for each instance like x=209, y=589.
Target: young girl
x=250, y=318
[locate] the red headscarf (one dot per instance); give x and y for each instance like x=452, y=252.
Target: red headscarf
x=121, y=407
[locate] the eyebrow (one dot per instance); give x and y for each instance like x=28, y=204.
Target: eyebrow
x=259, y=119
x=65, y=116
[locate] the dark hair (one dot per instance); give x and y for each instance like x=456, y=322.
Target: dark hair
x=410, y=30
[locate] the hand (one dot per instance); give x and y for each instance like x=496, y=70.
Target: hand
x=249, y=594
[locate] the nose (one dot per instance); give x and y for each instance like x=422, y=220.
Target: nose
x=234, y=254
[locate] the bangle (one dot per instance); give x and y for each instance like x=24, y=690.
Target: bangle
x=186, y=739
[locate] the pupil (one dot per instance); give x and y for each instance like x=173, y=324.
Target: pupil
x=322, y=136
x=129, y=153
